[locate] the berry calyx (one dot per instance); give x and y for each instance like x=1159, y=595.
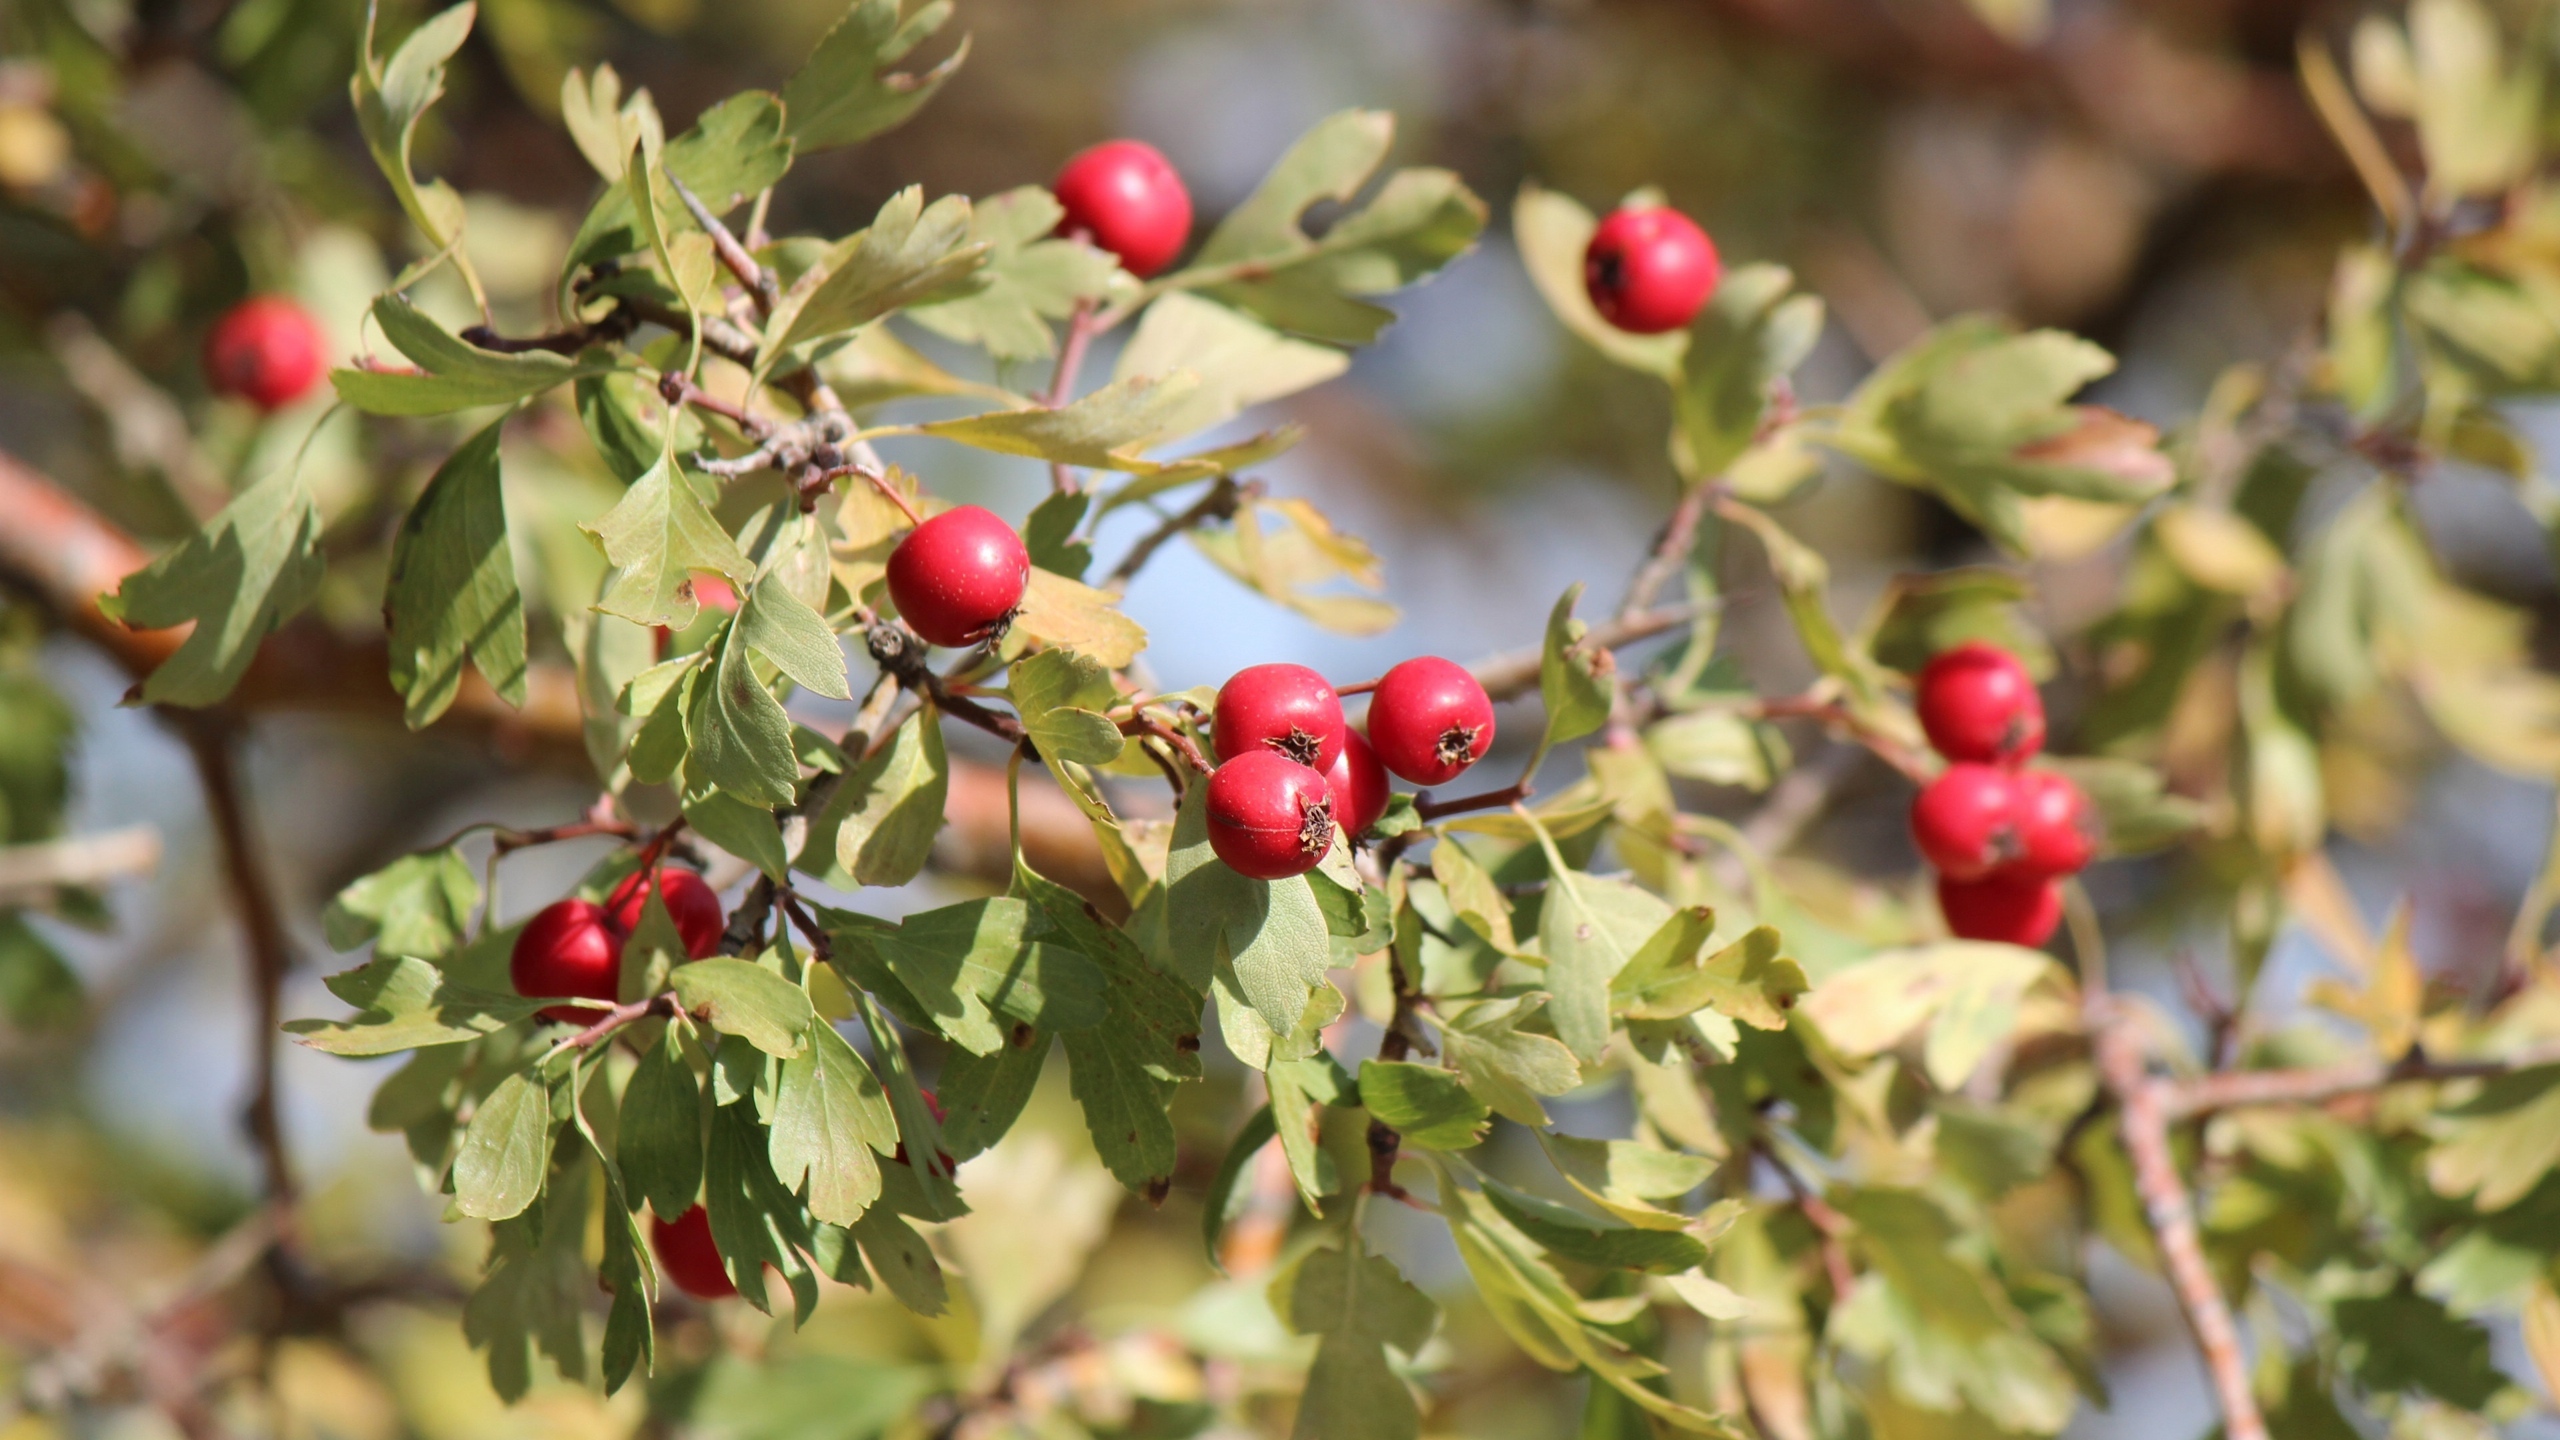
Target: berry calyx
x=1357, y=784
x=1966, y=821
x=266, y=350
x=568, y=948
x=2014, y=909
x=1649, y=269
x=958, y=578
x=1977, y=703
x=690, y=902
x=1269, y=816
x=688, y=1256
x=2055, y=828
x=1124, y=196
x=1287, y=708
x=1429, y=720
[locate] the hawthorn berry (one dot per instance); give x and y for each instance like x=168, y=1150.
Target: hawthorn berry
x=1429, y=720
x=1966, y=821
x=688, y=1256
x=958, y=578
x=570, y=948
x=266, y=350
x=1269, y=816
x=1978, y=703
x=1649, y=268
x=2054, y=826
x=690, y=902
x=2017, y=909
x=1357, y=784
x=1287, y=708
x=1125, y=197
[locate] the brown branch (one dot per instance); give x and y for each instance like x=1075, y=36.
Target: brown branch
x=759, y=281
x=29, y=874
x=1220, y=503
x=1670, y=550
x=1384, y=1143
x=1143, y=723
x=1506, y=676
x=1431, y=810
x=2241, y=1089
x=605, y=1025
x=1062, y=381
x=507, y=842
x=897, y=651
x=2142, y=1103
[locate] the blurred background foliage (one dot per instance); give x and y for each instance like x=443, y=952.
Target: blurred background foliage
x=2150, y=173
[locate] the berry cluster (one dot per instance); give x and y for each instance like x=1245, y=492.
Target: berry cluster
x=574, y=947
x=2001, y=836
x=1293, y=770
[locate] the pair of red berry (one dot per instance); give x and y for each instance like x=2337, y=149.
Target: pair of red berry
x=1293, y=770
x=574, y=947
x=2001, y=836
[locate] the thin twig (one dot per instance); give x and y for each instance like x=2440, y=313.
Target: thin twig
x=29, y=874
x=1670, y=549
x=1219, y=503
x=605, y=1025
x=759, y=281
x=2240, y=1089
x=1431, y=810
x=507, y=842
x=897, y=650
x=1062, y=381
x=1506, y=676
x=1143, y=723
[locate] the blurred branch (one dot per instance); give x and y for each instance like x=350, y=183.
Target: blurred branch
x=2239, y=1089
x=30, y=873
x=144, y=424
x=1506, y=677
x=1218, y=503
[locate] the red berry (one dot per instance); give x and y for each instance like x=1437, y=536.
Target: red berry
x=1126, y=197
x=1649, y=269
x=687, y=1255
x=1287, y=708
x=1430, y=720
x=568, y=948
x=267, y=350
x=1966, y=821
x=2018, y=909
x=1269, y=816
x=714, y=592
x=690, y=902
x=959, y=577
x=1978, y=703
x=949, y=1166
x=1357, y=784
x=2054, y=826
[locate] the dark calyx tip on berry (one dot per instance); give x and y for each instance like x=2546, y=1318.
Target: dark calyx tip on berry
x=1458, y=745
x=1315, y=827
x=1298, y=745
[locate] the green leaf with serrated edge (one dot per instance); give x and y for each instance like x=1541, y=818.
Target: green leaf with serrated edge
x=910, y=251
x=846, y=93
x=1069, y=614
x=1427, y=1105
x=1360, y=1305
x=1060, y=696
x=452, y=594
x=612, y=407
x=1623, y=1176
x=1589, y=1240
x=1553, y=230
x=1270, y=937
x=1122, y=1070
x=1330, y=162
x=1108, y=429
x=505, y=1150
x=458, y=375
x=738, y=997
x=903, y=1261
x=982, y=1095
x=966, y=963
x=879, y=825
x=1253, y=1042
x=738, y=737
x=389, y=98
x=404, y=1003
x=750, y=833
x=659, y=1143
x=926, y=1181
x=1239, y=361
x=828, y=1117
x=1473, y=895
x=755, y=1221
x=658, y=745
x=533, y=1300
x=655, y=537
x=1503, y=1066
x=782, y=628
x=1228, y=1194
x=630, y=1340
x=2498, y=1145
x=1576, y=684
x=1747, y=980
x=1048, y=532
x=417, y=905
x=247, y=571
x=733, y=150
x=1589, y=928
x=1031, y=280
x=1299, y=1089
x=1749, y=334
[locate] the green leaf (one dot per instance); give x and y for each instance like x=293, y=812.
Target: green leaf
x=659, y=1144
x=1750, y=333
x=2132, y=803
x=1747, y=980
x=630, y=1341
x=1330, y=162
x=738, y=997
x=735, y=149
x=405, y=1003
x=1104, y=430
x=1577, y=684
x=750, y=833
x=1718, y=747
x=1060, y=696
x=1972, y=991
x=829, y=1115
x=965, y=963
x=1239, y=361
x=1048, y=532
x=1428, y=1106
x=903, y=1260
x=755, y=1220
x=846, y=93
x=982, y=1095
x=459, y=375
x=1589, y=1240
x=453, y=588
x=1473, y=895
x=534, y=1298
x=1122, y=1070
x=505, y=1150
x=909, y=252
x=1299, y=1090
x=1031, y=279
x=1589, y=929
x=245, y=573
x=1071, y=615
x=417, y=905
x=738, y=735
x=390, y=97
x=878, y=826
x=1503, y=1066
x=1271, y=939
x=654, y=538
x=781, y=627
x=1622, y=1176
x=2404, y=1342
x=1228, y=1194
x=2498, y=1145
x=1360, y=1305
